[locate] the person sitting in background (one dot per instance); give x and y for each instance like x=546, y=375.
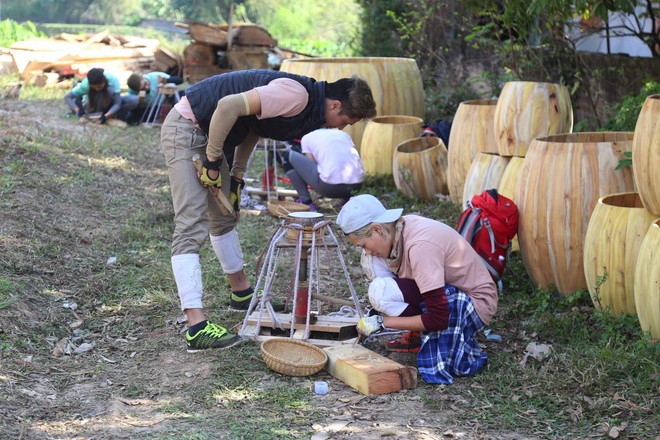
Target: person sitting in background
x=329, y=163
x=99, y=92
x=442, y=287
x=143, y=90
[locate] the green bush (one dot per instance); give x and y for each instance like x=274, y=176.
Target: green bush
x=627, y=112
x=442, y=102
x=11, y=32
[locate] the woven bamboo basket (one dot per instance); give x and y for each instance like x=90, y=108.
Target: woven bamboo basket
x=282, y=208
x=292, y=357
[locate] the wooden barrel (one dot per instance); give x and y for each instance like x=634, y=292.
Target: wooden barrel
x=420, y=167
x=485, y=173
x=647, y=281
x=563, y=177
x=508, y=187
x=611, y=245
x=646, y=154
x=381, y=136
x=526, y=110
x=472, y=132
x=396, y=83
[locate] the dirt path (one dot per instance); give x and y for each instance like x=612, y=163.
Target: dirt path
x=71, y=197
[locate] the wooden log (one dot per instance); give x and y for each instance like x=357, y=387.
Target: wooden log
x=647, y=282
x=241, y=58
x=526, y=110
x=396, y=83
x=611, y=245
x=646, y=154
x=381, y=136
x=212, y=35
x=193, y=74
x=251, y=35
x=563, y=177
x=368, y=372
x=419, y=167
x=199, y=54
x=472, y=132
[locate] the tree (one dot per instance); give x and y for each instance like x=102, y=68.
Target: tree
x=322, y=27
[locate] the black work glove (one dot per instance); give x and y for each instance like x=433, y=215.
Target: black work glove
x=204, y=176
x=103, y=119
x=235, y=188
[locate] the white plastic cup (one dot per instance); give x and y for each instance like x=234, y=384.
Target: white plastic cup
x=321, y=387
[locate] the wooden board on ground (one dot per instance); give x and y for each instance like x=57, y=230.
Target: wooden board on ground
x=368, y=372
x=342, y=326
x=250, y=333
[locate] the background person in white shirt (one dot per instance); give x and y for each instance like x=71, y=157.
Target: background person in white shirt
x=329, y=164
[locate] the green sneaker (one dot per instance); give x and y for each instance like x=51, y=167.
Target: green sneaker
x=211, y=336
x=240, y=301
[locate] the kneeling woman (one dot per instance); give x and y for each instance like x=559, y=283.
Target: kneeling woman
x=456, y=295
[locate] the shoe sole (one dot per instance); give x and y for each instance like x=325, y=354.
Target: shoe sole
x=234, y=343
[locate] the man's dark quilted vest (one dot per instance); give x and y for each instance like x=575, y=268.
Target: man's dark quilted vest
x=204, y=97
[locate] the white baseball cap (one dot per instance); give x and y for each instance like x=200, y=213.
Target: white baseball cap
x=363, y=210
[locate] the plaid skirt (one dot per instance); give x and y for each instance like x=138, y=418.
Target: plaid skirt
x=453, y=351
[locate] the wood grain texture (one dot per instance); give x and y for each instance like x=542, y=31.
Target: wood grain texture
x=646, y=154
x=508, y=187
x=485, y=173
x=563, y=177
x=526, y=110
x=420, y=167
x=381, y=136
x=368, y=372
x=396, y=83
x=472, y=132
x=647, y=281
x=611, y=245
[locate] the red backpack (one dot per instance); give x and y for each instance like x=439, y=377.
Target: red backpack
x=489, y=223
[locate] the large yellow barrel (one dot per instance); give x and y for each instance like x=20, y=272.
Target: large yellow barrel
x=614, y=235
x=420, y=167
x=396, y=83
x=647, y=281
x=508, y=187
x=526, y=110
x=563, y=177
x=381, y=136
x=646, y=154
x=472, y=132
x=485, y=173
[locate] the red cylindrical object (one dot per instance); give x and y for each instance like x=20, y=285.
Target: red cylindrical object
x=300, y=314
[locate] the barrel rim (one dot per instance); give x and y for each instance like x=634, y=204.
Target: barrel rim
x=571, y=138
x=410, y=119
x=611, y=200
x=425, y=141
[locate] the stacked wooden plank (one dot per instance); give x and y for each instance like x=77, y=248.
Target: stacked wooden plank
x=69, y=54
x=216, y=49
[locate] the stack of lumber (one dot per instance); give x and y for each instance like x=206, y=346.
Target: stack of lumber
x=68, y=54
x=168, y=62
x=216, y=49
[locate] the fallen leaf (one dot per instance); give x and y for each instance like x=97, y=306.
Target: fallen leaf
x=538, y=351
x=84, y=348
